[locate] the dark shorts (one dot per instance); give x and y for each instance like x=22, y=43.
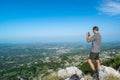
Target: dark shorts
x=94, y=56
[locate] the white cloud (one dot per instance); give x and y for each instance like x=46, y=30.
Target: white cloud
x=111, y=7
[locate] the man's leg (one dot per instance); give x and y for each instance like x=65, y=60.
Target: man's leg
x=91, y=64
x=98, y=64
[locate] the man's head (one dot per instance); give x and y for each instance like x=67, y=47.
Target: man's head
x=95, y=29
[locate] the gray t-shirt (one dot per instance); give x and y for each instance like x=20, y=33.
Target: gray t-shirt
x=96, y=42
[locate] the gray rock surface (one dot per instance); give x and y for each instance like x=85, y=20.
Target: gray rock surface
x=73, y=73
x=105, y=72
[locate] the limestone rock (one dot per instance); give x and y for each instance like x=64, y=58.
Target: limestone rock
x=71, y=73
x=104, y=72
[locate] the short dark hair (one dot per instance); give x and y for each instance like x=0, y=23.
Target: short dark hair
x=96, y=28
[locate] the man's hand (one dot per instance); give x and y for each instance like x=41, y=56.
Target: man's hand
x=88, y=34
x=87, y=37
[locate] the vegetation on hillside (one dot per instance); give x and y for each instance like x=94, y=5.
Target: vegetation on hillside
x=31, y=61
x=114, y=62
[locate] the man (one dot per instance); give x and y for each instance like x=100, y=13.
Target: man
x=94, y=54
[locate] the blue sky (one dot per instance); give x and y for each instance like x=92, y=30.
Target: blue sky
x=58, y=20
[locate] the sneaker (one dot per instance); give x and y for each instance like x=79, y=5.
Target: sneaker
x=96, y=76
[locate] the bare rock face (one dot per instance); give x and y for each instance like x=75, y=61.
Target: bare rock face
x=105, y=72
x=71, y=73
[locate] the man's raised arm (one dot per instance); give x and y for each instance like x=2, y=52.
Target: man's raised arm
x=88, y=37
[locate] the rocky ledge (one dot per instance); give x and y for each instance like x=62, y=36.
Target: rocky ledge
x=73, y=73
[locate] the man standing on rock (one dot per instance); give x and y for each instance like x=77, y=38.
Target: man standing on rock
x=96, y=42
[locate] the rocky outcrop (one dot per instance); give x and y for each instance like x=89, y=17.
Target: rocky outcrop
x=105, y=72
x=73, y=73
